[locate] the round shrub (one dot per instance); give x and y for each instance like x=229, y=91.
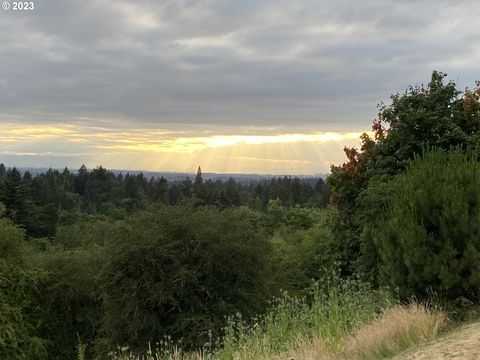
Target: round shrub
x=179, y=271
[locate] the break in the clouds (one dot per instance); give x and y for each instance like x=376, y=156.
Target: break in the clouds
x=245, y=86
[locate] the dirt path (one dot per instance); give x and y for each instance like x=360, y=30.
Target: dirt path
x=463, y=344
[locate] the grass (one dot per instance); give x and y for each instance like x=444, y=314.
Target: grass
x=391, y=332
x=397, y=329
x=342, y=320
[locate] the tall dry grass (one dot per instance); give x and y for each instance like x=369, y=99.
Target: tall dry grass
x=392, y=332
x=395, y=330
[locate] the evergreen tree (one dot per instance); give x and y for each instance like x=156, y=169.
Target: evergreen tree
x=175, y=194
x=158, y=189
x=81, y=180
x=15, y=197
x=231, y=193
x=3, y=171
x=427, y=239
x=3, y=174
x=199, y=177
x=199, y=189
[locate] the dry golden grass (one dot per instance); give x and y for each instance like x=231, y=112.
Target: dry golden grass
x=395, y=330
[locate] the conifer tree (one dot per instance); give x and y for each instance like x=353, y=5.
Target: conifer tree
x=199, y=177
x=81, y=180
x=15, y=197
x=427, y=239
x=199, y=187
x=3, y=171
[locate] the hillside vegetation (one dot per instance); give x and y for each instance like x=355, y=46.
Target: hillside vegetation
x=99, y=266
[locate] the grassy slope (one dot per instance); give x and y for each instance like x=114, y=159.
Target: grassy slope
x=462, y=343
x=397, y=329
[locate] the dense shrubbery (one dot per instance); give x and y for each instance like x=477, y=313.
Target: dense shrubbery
x=302, y=249
x=19, y=289
x=169, y=270
x=428, y=239
x=180, y=271
x=436, y=116
x=70, y=298
x=423, y=117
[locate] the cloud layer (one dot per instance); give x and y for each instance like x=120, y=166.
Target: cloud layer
x=174, y=151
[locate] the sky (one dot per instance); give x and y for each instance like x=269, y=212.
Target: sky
x=236, y=86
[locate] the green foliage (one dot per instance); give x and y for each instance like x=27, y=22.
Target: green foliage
x=428, y=238
x=81, y=350
x=18, y=318
x=86, y=231
x=174, y=271
x=48, y=296
x=42, y=203
x=180, y=271
x=335, y=309
x=19, y=289
x=436, y=116
x=298, y=252
x=70, y=300
x=277, y=216
x=373, y=203
x=3, y=210
x=11, y=241
x=15, y=196
x=420, y=118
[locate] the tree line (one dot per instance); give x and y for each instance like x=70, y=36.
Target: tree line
x=40, y=203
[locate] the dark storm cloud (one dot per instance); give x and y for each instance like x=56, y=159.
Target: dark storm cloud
x=311, y=64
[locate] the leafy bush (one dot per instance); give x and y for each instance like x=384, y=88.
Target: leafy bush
x=19, y=319
x=179, y=271
x=11, y=241
x=298, y=254
x=70, y=299
x=19, y=290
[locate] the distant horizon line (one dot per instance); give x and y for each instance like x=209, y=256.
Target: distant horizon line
x=193, y=172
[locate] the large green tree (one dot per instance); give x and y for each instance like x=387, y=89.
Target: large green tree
x=436, y=115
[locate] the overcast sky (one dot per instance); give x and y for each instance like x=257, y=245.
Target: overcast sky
x=235, y=85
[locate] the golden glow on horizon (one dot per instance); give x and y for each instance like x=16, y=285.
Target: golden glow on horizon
x=193, y=144
x=12, y=132
x=156, y=149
